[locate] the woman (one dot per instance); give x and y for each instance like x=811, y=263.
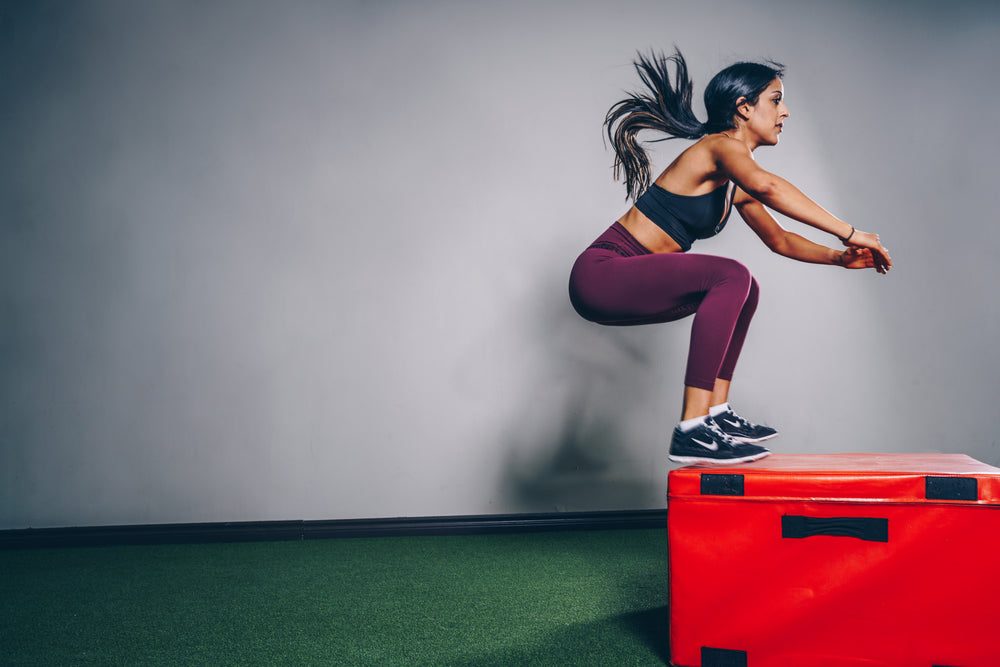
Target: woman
x=639, y=271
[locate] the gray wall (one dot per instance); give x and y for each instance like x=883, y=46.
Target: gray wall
x=308, y=260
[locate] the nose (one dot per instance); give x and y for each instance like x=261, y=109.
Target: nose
x=784, y=111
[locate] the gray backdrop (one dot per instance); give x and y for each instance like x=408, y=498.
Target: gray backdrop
x=308, y=260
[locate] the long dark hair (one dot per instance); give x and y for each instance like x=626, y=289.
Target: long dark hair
x=666, y=107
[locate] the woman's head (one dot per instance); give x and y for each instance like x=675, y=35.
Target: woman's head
x=665, y=106
x=739, y=83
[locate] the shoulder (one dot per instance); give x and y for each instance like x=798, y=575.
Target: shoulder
x=717, y=153
x=722, y=144
x=706, y=151
x=712, y=142
x=696, y=171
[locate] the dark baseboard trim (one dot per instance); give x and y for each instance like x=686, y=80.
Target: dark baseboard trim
x=269, y=531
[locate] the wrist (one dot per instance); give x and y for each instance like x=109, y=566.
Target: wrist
x=847, y=237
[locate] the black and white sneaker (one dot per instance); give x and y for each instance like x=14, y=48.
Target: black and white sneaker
x=742, y=430
x=707, y=443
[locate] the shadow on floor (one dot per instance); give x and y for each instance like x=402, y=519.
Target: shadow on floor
x=652, y=628
x=637, y=638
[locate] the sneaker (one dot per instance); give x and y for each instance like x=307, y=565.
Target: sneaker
x=708, y=444
x=741, y=430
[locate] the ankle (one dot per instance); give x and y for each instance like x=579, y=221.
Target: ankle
x=686, y=425
x=717, y=410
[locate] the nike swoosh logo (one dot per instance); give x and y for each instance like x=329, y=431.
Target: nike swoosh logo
x=713, y=446
x=732, y=423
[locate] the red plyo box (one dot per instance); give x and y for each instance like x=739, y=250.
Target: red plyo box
x=841, y=560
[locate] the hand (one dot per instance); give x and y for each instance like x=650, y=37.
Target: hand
x=856, y=258
x=880, y=256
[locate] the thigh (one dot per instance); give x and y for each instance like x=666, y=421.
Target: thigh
x=611, y=289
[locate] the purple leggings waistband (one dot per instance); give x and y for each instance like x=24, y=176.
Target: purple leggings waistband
x=618, y=239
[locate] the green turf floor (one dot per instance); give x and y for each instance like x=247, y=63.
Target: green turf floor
x=554, y=598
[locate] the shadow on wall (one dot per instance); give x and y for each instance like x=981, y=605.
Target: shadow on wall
x=588, y=434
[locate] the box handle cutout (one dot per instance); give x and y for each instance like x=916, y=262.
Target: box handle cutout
x=863, y=528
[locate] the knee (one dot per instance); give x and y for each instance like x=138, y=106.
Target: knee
x=754, y=294
x=734, y=278
x=738, y=275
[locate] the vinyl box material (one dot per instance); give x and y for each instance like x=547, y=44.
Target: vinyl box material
x=844, y=560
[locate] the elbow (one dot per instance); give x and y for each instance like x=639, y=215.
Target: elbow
x=778, y=245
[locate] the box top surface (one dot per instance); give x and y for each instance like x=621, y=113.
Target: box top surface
x=869, y=477
x=941, y=464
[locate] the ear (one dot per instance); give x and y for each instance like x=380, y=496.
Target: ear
x=743, y=108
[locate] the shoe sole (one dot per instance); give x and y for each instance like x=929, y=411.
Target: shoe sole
x=704, y=459
x=753, y=441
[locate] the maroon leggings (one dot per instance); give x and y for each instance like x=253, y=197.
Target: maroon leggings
x=616, y=281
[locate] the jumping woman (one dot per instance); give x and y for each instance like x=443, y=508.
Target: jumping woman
x=640, y=271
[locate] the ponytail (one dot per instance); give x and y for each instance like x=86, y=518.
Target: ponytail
x=662, y=107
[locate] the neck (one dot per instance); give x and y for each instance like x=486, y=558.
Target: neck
x=740, y=134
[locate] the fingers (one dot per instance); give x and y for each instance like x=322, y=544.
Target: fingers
x=883, y=262
x=865, y=242
x=863, y=260
x=857, y=258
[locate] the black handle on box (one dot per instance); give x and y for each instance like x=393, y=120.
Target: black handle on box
x=863, y=528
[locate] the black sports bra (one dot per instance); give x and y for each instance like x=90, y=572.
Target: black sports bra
x=687, y=218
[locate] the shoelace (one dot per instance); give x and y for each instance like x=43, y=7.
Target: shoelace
x=724, y=437
x=732, y=416
x=742, y=422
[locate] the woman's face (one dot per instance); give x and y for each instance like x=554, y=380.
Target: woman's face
x=766, y=117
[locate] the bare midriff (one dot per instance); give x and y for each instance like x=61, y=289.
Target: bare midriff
x=647, y=233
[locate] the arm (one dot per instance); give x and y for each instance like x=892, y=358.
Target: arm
x=791, y=245
x=736, y=160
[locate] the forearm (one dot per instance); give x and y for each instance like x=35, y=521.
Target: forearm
x=785, y=198
x=802, y=249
